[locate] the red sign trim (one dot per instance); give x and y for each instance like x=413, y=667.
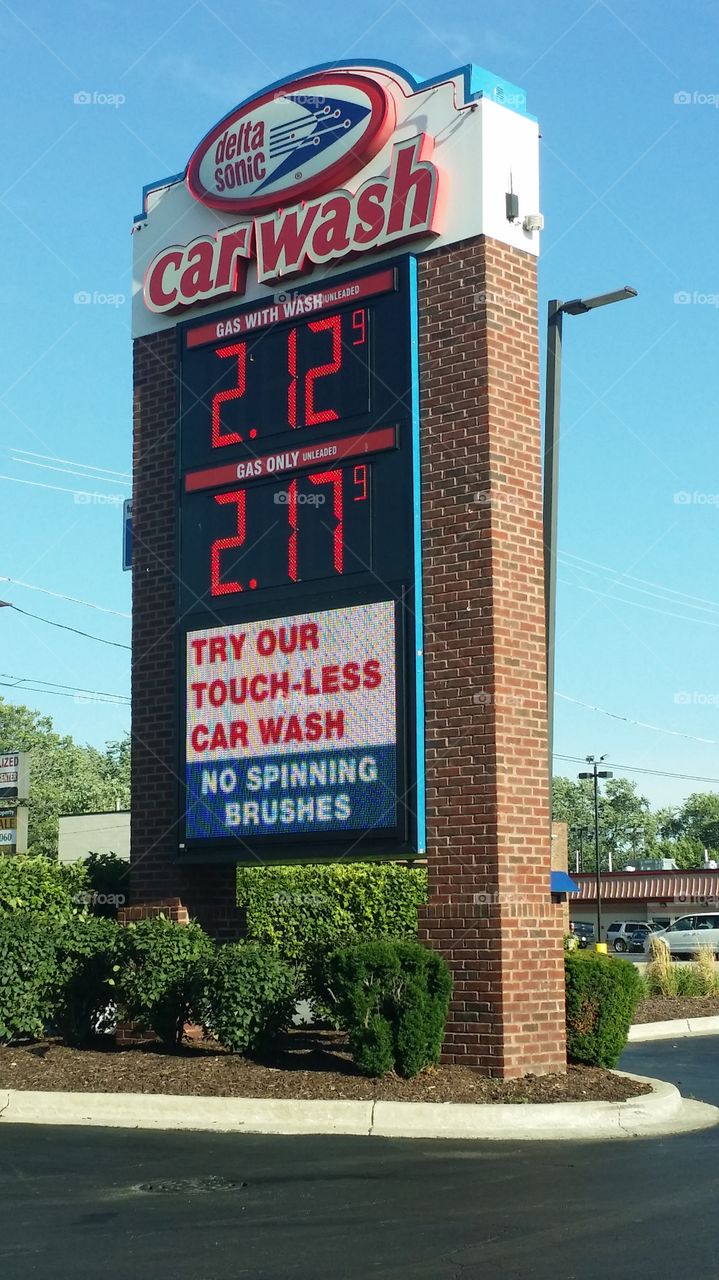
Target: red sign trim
x=287, y=461
x=283, y=307
x=378, y=131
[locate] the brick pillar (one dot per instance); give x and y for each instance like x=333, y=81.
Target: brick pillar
x=490, y=910
x=208, y=894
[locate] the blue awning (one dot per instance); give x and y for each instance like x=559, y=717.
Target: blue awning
x=562, y=883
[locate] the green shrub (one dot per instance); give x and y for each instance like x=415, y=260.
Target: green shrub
x=86, y=948
x=108, y=879
x=37, y=884
x=160, y=973
x=250, y=996
x=602, y=994
x=28, y=974
x=307, y=911
x=392, y=998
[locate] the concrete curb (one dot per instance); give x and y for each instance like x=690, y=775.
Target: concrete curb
x=661, y=1112
x=673, y=1029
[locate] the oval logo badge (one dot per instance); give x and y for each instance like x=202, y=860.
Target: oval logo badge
x=300, y=140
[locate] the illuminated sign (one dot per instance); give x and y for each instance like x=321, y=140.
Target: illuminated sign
x=285, y=144
x=360, y=158
x=297, y=572
x=292, y=724
x=288, y=242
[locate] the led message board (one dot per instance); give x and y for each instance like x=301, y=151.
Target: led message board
x=298, y=558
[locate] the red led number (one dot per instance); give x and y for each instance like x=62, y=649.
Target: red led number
x=312, y=416
x=336, y=479
x=359, y=328
x=220, y=438
x=219, y=588
x=360, y=479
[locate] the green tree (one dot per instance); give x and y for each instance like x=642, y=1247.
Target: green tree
x=627, y=825
x=65, y=777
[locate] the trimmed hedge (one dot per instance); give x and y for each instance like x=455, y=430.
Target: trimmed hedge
x=307, y=911
x=602, y=995
x=160, y=972
x=249, y=997
x=39, y=885
x=392, y=998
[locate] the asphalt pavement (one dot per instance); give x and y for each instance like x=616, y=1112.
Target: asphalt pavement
x=99, y=1204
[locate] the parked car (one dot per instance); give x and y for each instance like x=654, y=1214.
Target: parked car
x=640, y=937
x=583, y=932
x=619, y=933
x=687, y=934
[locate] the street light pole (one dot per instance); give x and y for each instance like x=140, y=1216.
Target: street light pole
x=595, y=774
x=555, y=310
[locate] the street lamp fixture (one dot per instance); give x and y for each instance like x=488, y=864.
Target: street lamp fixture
x=555, y=310
x=595, y=774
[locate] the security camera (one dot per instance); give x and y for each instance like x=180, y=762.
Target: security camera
x=533, y=222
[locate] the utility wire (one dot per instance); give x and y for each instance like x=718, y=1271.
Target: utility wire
x=626, y=578
x=641, y=724
x=52, y=685
x=632, y=768
x=636, y=604
x=115, y=644
x=70, y=599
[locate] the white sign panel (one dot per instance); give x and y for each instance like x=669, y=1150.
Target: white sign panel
x=292, y=724
x=15, y=774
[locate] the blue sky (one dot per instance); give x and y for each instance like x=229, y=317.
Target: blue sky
x=626, y=95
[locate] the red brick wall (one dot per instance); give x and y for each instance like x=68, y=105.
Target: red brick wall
x=488, y=851
x=488, y=822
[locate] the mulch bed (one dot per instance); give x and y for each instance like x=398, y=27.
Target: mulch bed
x=310, y=1065
x=662, y=1008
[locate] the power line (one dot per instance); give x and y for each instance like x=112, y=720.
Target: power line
x=641, y=724
x=636, y=604
x=51, y=686
x=626, y=578
x=70, y=599
x=115, y=644
x=71, y=462
x=59, y=488
x=632, y=768
x=93, y=476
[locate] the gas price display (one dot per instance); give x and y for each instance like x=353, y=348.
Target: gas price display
x=296, y=569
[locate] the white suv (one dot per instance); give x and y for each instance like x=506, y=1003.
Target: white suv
x=619, y=933
x=687, y=934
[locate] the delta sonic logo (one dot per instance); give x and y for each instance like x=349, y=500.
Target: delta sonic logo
x=281, y=160
x=292, y=725
x=303, y=139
